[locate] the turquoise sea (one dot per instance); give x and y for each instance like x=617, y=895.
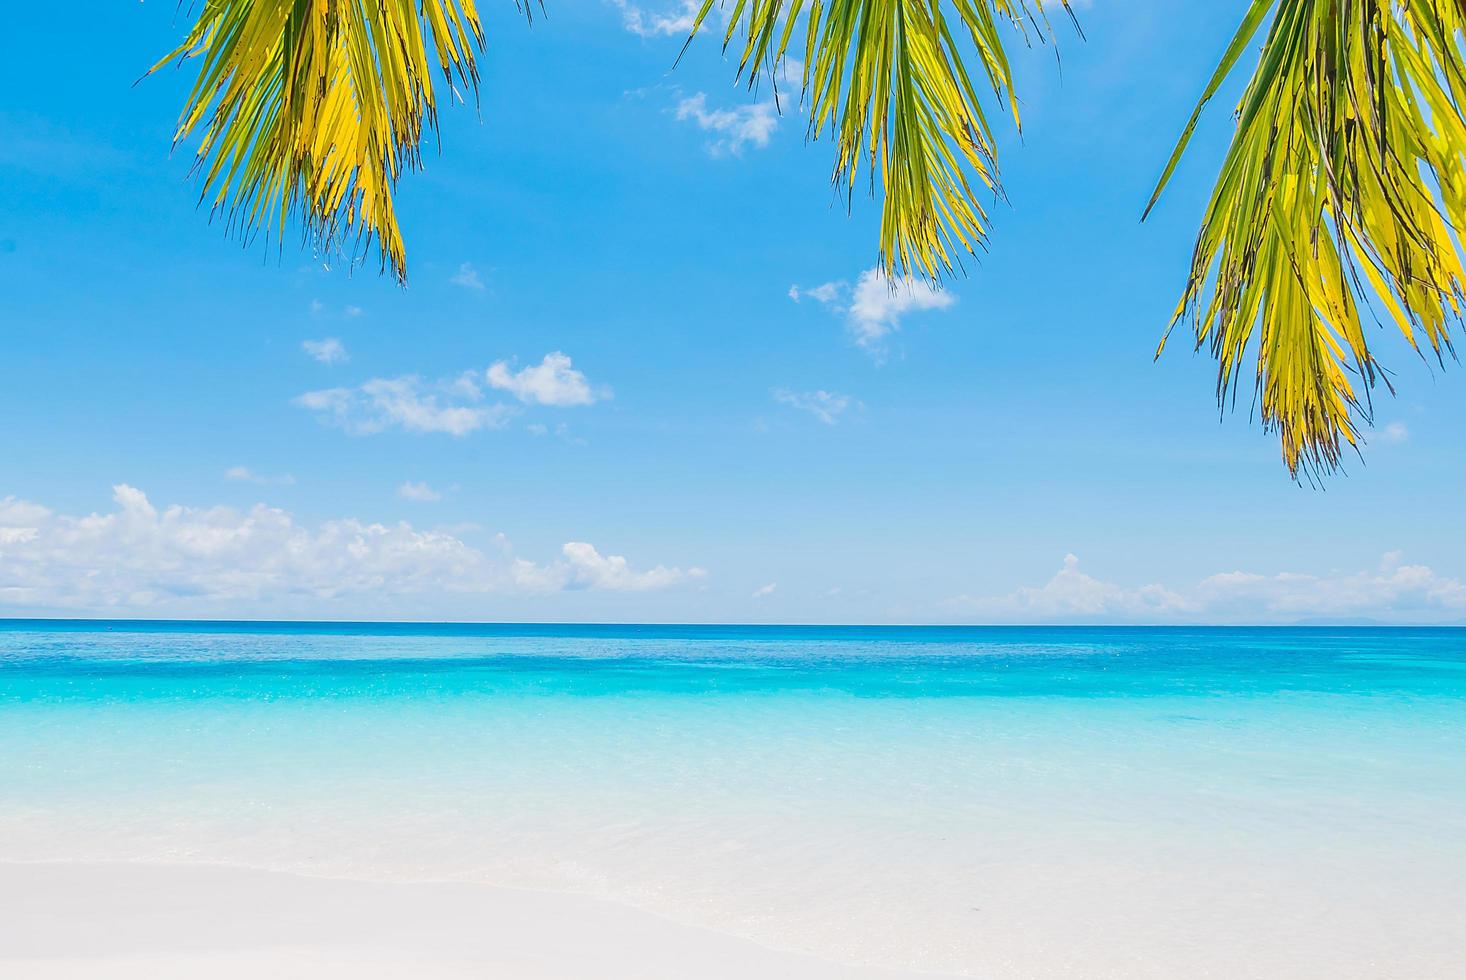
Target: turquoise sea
x=984, y=801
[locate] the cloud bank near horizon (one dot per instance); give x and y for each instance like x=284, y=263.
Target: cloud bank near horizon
x=142, y=559
x=139, y=558
x=1393, y=592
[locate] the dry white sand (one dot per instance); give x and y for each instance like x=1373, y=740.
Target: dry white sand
x=179, y=921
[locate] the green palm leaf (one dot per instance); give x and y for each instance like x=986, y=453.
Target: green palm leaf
x=1339, y=199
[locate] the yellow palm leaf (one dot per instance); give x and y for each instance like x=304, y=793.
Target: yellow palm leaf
x=1339, y=195
x=887, y=80
x=313, y=109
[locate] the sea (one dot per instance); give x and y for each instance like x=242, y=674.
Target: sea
x=977, y=801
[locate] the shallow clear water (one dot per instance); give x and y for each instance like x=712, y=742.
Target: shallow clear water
x=1004, y=801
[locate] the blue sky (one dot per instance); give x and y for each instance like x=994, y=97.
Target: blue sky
x=598, y=398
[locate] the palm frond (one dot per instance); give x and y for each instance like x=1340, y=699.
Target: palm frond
x=888, y=80
x=1340, y=198
x=313, y=108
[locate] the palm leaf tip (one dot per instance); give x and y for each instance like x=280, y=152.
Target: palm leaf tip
x=312, y=109
x=889, y=81
x=1336, y=207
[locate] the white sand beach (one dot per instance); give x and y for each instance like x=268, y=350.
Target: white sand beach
x=159, y=922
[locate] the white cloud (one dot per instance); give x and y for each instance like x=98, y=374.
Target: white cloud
x=643, y=23
x=454, y=405
x=551, y=382
x=733, y=128
x=1392, y=592
x=1072, y=594
x=467, y=277
x=327, y=350
x=408, y=404
x=418, y=491
x=1394, y=432
x=828, y=293
x=876, y=305
x=765, y=590
x=581, y=566
x=827, y=406
x=243, y=474
x=139, y=557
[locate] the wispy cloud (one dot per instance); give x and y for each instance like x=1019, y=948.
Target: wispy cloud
x=1392, y=591
x=320, y=310
x=581, y=566
x=1073, y=594
x=327, y=350
x=764, y=591
x=419, y=492
x=553, y=381
x=827, y=406
x=243, y=474
x=140, y=557
x=453, y=405
x=828, y=293
x=1394, y=432
x=732, y=129
x=874, y=309
x=467, y=277
x=561, y=431
x=404, y=403
x=674, y=20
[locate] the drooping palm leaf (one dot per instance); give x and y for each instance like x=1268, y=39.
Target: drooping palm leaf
x=1338, y=203
x=887, y=79
x=313, y=108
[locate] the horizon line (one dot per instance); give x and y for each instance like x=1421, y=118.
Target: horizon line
x=551, y=624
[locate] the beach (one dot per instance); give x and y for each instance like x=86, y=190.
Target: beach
x=160, y=921
x=157, y=921
x=559, y=801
